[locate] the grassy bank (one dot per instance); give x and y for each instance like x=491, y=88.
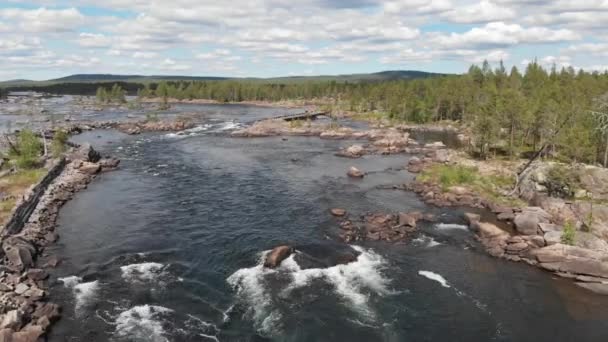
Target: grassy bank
x=492, y=187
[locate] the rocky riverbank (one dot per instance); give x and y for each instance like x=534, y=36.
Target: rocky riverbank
x=567, y=237
x=25, y=312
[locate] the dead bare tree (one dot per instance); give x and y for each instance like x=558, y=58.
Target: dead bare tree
x=601, y=119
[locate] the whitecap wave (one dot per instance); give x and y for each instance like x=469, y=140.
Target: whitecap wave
x=353, y=282
x=143, y=272
x=142, y=323
x=434, y=276
x=349, y=280
x=70, y=281
x=249, y=284
x=229, y=125
x=426, y=241
x=189, y=132
x=84, y=293
x=451, y=226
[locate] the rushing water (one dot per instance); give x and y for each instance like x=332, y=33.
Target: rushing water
x=169, y=248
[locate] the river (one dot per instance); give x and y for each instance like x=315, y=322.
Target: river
x=169, y=248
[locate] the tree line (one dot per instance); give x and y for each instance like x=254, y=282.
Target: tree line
x=508, y=112
x=563, y=112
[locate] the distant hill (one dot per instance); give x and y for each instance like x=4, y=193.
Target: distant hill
x=131, y=78
x=87, y=84
x=102, y=78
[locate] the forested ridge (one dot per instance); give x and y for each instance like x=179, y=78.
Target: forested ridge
x=508, y=112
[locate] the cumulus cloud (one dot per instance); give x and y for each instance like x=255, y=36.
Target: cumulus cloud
x=503, y=34
x=484, y=11
x=94, y=40
x=43, y=19
x=251, y=36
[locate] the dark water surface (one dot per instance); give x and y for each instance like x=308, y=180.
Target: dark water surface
x=168, y=248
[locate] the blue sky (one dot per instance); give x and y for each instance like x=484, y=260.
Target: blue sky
x=43, y=39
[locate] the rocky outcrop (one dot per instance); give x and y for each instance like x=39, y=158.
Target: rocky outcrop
x=277, y=255
x=353, y=151
x=434, y=194
x=528, y=220
x=25, y=313
x=586, y=261
x=379, y=226
x=153, y=126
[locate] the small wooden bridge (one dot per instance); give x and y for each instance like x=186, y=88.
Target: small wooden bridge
x=300, y=116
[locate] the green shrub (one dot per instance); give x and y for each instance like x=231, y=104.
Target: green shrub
x=28, y=151
x=58, y=145
x=562, y=181
x=568, y=234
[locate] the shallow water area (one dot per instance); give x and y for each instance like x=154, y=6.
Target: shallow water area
x=169, y=247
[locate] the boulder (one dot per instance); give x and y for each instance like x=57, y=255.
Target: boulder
x=598, y=288
x=12, y=320
x=36, y=274
x=109, y=163
x=515, y=248
x=49, y=310
x=85, y=153
x=355, y=151
x=21, y=288
x=527, y=222
x=442, y=156
x=90, y=168
x=472, y=218
x=6, y=335
x=338, y=212
x=590, y=241
x=30, y=333
x=549, y=227
x=353, y=172
x=489, y=230
x=553, y=237
x=19, y=252
x=346, y=258
x=407, y=220
x=277, y=255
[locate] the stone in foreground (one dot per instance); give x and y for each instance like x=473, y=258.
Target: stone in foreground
x=277, y=255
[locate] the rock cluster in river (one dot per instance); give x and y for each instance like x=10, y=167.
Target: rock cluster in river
x=132, y=128
x=25, y=313
x=381, y=226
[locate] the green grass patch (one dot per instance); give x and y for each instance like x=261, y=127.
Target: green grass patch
x=371, y=116
x=15, y=186
x=491, y=187
x=568, y=234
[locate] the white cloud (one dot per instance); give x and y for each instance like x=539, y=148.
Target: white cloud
x=484, y=11
x=94, y=40
x=502, y=34
x=43, y=19
x=262, y=36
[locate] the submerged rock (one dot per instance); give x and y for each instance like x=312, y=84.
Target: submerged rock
x=277, y=255
x=338, y=212
x=353, y=172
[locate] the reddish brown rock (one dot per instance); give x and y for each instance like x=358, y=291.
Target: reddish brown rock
x=339, y=212
x=277, y=255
